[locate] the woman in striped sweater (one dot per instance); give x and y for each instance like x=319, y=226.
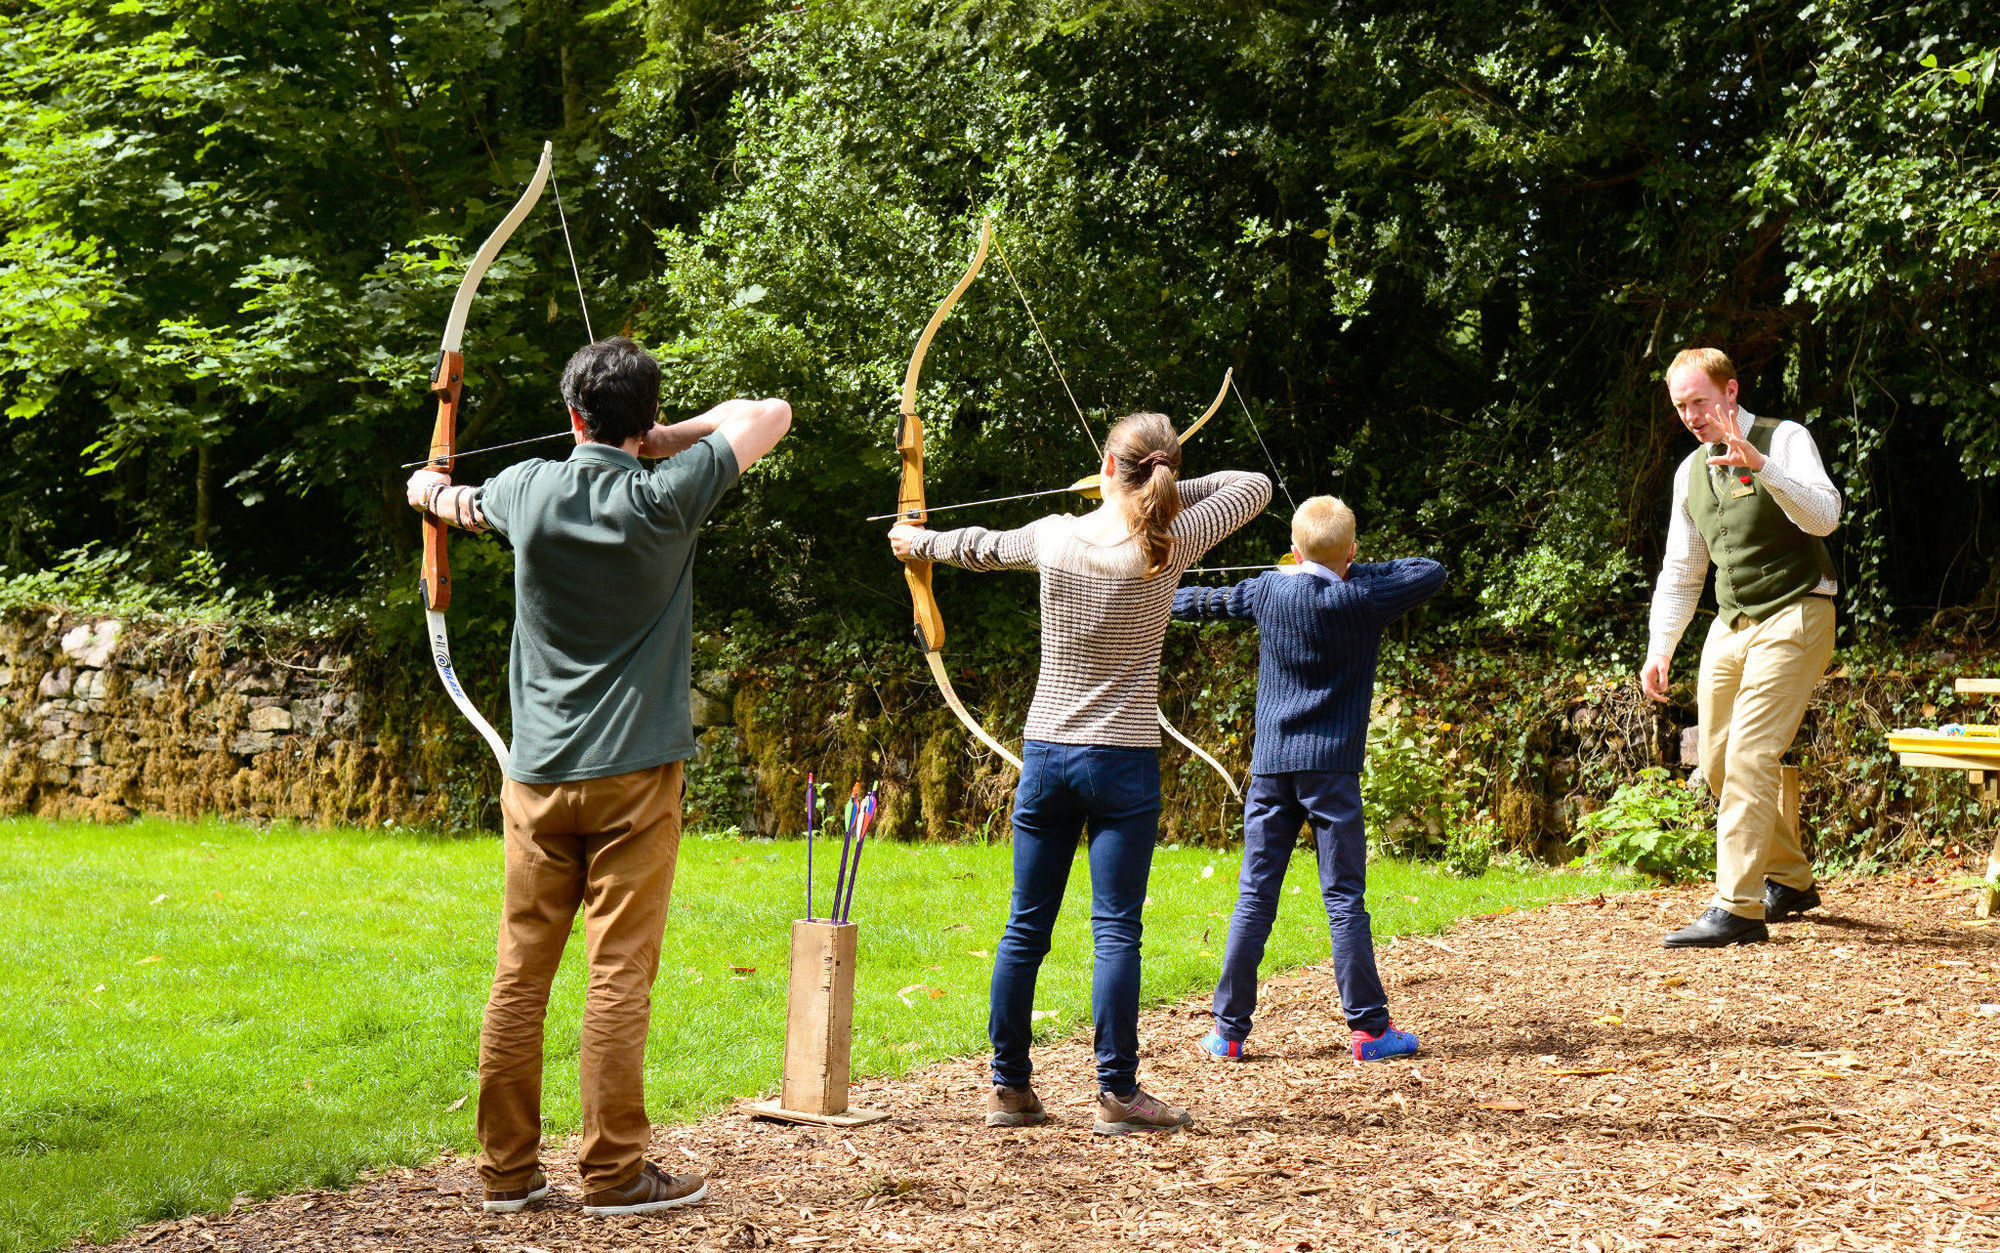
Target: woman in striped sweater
x=1091, y=758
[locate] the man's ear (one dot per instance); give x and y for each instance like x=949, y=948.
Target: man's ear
x=575, y=420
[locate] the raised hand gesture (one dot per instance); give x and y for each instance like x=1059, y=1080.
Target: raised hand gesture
x=1740, y=452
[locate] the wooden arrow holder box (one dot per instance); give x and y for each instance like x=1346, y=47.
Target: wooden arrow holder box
x=819, y=1029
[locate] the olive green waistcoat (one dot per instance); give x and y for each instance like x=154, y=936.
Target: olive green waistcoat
x=1763, y=561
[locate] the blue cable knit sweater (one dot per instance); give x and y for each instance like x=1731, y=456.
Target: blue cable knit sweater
x=1318, y=640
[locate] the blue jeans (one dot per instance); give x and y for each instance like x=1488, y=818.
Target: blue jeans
x=1276, y=807
x=1066, y=789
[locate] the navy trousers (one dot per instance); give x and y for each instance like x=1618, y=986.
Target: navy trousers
x=1067, y=790
x=1276, y=807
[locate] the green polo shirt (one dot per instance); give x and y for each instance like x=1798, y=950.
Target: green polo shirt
x=603, y=605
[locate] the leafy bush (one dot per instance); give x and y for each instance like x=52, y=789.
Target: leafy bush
x=1418, y=797
x=1658, y=825
x=1469, y=852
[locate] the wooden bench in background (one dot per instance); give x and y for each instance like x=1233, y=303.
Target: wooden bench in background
x=1982, y=770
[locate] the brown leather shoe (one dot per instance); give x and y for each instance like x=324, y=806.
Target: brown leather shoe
x=648, y=1192
x=517, y=1199
x=1014, y=1107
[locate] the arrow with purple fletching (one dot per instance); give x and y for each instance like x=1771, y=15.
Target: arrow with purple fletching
x=865, y=820
x=850, y=814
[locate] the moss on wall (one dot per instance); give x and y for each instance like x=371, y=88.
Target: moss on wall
x=102, y=717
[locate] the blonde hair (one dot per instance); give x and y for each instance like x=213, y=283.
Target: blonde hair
x=1148, y=457
x=1710, y=361
x=1323, y=529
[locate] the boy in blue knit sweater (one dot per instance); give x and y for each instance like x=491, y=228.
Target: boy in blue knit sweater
x=1319, y=626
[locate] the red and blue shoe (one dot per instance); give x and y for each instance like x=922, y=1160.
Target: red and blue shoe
x=1380, y=1048
x=1220, y=1049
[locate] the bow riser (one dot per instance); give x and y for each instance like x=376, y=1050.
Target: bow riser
x=910, y=509
x=447, y=383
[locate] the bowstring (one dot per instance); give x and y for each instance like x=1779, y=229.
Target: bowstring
x=1037, y=324
x=575, y=272
x=1268, y=458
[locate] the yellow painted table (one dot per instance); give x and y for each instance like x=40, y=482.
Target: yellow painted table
x=1979, y=757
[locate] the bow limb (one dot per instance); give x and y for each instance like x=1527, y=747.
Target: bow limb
x=448, y=383
x=1221, y=394
x=1198, y=751
x=910, y=507
x=1091, y=486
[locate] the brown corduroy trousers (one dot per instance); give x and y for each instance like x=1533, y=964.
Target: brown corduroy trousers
x=607, y=845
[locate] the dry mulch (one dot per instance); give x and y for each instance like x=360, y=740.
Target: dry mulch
x=1580, y=1088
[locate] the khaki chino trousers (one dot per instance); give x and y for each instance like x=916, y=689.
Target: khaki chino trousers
x=1756, y=678
x=607, y=846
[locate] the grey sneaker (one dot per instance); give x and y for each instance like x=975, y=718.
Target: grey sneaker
x=1014, y=1107
x=1144, y=1112
x=517, y=1199
x=649, y=1192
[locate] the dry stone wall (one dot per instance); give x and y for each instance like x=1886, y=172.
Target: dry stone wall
x=104, y=717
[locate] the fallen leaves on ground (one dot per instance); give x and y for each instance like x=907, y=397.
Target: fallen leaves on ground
x=1831, y=1090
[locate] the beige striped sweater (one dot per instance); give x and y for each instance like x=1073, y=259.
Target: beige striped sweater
x=1102, y=618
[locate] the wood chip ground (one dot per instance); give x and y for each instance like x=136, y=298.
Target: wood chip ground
x=1579, y=1089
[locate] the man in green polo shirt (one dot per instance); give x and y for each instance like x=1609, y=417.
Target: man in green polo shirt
x=1756, y=501
x=598, y=685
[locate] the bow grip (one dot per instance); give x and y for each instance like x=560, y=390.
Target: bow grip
x=447, y=382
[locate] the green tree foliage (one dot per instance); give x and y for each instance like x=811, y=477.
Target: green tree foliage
x=231, y=236
x=1447, y=250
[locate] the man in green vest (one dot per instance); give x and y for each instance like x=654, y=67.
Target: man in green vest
x=1754, y=500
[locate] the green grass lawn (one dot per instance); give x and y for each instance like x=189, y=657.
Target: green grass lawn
x=198, y=1011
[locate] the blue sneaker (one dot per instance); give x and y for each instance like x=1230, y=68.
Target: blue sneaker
x=1220, y=1049
x=1380, y=1048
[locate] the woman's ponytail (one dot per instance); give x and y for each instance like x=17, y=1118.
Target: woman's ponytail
x=1148, y=456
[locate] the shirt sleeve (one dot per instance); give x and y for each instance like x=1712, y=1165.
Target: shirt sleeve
x=1683, y=570
x=1797, y=480
x=977, y=548
x=685, y=488
x=1215, y=506
x=1394, y=588
x=499, y=496
x=1204, y=604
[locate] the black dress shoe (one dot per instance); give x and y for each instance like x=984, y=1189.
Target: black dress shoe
x=1781, y=902
x=1718, y=928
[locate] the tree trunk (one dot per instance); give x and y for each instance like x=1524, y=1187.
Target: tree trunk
x=204, y=494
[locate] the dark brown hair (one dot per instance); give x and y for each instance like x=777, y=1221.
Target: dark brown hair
x=614, y=386
x=1148, y=456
